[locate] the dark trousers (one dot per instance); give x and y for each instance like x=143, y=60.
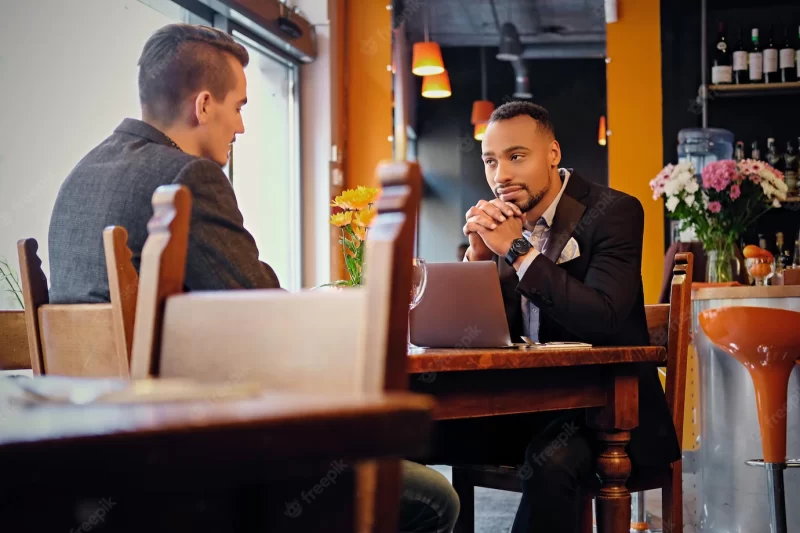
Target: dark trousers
x=556, y=452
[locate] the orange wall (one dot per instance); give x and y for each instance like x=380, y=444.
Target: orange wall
x=368, y=89
x=634, y=118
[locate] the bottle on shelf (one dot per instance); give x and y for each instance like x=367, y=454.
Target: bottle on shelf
x=762, y=242
x=773, y=157
x=721, y=69
x=739, y=151
x=755, y=153
x=787, y=59
x=780, y=258
x=790, y=170
x=796, y=257
x=755, y=59
x=771, y=74
x=797, y=54
x=740, y=73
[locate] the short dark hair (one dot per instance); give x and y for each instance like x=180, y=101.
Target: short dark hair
x=519, y=108
x=180, y=59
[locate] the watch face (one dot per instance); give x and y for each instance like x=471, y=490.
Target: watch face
x=521, y=246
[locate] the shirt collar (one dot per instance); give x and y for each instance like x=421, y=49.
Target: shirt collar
x=550, y=212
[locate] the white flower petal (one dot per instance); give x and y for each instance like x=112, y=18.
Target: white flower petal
x=672, y=203
x=689, y=199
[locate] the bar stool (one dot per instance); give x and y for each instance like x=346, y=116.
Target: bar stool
x=767, y=342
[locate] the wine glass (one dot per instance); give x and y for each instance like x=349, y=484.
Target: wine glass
x=419, y=278
x=761, y=268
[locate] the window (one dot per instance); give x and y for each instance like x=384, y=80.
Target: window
x=69, y=72
x=265, y=169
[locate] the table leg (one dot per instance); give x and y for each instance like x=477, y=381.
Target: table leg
x=613, y=469
x=614, y=423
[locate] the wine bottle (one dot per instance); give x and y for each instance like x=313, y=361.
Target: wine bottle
x=797, y=57
x=796, y=259
x=771, y=74
x=755, y=60
x=755, y=153
x=787, y=59
x=773, y=158
x=779, y=249
x=790, y=170
x=740, y=73
x=721, y=69
x=739, y=152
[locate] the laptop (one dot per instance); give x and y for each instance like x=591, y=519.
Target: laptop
x=462, y=307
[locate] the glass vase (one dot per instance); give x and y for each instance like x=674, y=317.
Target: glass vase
x=722, y=265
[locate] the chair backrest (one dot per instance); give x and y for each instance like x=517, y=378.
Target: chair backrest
x=70, y=340
x=123, y=286
x=670, y=326
x=353, y=340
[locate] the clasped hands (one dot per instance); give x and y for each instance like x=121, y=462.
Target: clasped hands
x=491, y=228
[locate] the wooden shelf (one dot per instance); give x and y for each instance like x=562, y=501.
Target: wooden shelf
x=791, y=199
x=765, y=89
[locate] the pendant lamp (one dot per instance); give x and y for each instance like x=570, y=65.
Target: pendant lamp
x=436, y=86
x=482, y=109
x=480, y=129
x=427, y=56
x=601, y=133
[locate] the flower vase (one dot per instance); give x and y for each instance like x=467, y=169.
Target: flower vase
x=722, y=266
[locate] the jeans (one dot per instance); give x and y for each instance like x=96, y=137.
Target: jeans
x=429, y=504
x=558, y=461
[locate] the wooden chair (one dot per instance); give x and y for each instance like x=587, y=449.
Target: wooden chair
x=669, y=325
x=81, y=340
x=351, y=341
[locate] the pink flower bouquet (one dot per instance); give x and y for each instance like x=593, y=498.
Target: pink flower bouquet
x=727, y=200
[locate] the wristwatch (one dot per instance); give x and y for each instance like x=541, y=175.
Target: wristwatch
x=519, y=247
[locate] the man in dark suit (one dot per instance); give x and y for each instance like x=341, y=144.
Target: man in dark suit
x=569, y=255
x=191, y=87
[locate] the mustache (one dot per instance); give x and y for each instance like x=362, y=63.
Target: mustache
x=522, y=186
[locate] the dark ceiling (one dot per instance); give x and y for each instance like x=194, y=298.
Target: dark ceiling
x=547, y=28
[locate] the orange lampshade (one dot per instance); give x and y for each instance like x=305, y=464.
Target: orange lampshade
x=480, y=129
x=601, y=133
x=436, y=86
x=481, y=111
x=427, y=59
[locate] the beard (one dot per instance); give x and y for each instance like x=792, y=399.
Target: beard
x=530, y=200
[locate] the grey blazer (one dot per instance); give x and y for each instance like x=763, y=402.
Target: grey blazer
x=114, y=184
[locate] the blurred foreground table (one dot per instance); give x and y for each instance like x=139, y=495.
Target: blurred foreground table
x=271, y=461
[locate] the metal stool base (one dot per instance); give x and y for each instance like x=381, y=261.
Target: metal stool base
x=776, y=494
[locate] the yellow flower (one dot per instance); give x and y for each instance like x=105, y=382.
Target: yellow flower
x=355, y=199
x=364, y=217
x=342, y=219
x=360, y=232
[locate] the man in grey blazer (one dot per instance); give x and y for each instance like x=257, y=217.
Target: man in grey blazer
x=192, y=87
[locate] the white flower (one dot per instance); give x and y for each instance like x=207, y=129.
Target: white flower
x=692, y=187
x=672, y=203
x=673, y=187
x=689, y=199
x=704, y=198
x=776, y=203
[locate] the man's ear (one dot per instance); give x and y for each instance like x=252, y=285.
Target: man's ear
x=201, y=104
x=555, y=153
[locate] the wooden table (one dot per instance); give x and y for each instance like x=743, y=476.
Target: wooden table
x=272, y=462
x=477, y=383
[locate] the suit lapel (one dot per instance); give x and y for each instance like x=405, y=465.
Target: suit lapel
x=568, y=215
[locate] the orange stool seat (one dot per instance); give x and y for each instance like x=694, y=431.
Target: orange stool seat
x=767, y=342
